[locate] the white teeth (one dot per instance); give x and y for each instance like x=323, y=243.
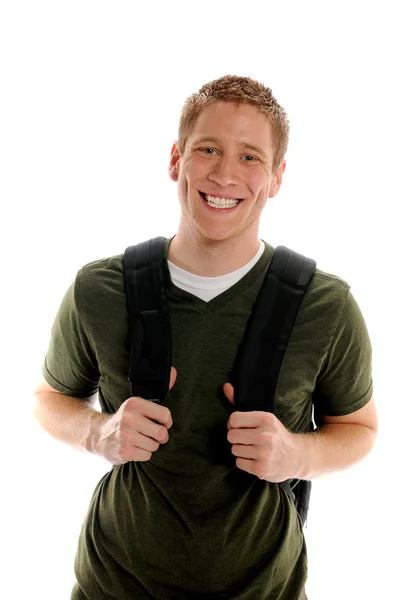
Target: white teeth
x=220, y=202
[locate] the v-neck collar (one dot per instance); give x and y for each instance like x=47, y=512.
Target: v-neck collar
x=236, y=289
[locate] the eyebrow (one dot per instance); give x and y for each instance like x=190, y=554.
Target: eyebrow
x=210, y=138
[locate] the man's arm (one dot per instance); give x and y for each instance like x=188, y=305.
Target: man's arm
x=339, y=443
x=133, y=433
x=68, y=419
x=265, y=448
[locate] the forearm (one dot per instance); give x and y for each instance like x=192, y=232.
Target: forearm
x=332, y=448
x=68, y=419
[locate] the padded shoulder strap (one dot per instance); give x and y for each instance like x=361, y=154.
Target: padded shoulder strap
x=259, y=359
x=150, y=327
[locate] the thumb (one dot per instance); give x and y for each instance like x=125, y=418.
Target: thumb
x=172, y=377
x=229, y=392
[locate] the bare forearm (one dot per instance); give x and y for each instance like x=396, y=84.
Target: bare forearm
x=332, y=448
x=70, y=420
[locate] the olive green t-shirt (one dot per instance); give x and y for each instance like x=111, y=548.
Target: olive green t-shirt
x=188, y=523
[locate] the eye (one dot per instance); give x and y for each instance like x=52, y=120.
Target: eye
x=253, y=158
x=204, y=149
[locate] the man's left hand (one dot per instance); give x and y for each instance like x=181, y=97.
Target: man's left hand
x=262, y=444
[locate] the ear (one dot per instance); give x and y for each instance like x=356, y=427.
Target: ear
x=278, y=179
x=173, y=169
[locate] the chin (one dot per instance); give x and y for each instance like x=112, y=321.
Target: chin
x=216, y=236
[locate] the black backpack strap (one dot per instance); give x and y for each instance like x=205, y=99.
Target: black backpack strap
x=302, y=493
x=150, y=327
x=260, y=356
x=259, y=359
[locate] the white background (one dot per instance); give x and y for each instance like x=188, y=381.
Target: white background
x=91, y=94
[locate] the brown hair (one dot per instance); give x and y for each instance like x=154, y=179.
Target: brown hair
x=240, y=90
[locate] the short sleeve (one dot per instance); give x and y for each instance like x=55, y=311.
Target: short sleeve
x=70, y=365
x=345, y=384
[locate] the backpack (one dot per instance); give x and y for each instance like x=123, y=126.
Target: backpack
x=257, y=366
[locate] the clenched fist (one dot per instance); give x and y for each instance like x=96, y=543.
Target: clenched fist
x=262, y=444
x=135, y=431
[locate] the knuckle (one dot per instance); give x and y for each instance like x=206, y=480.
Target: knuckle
x=234, y=419
x=230, y=436
x=133, y=403
x=161, y=434
x=165, y=440
x=166, y=415
x=265, y=437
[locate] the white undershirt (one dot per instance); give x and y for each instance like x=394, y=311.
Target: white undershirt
x=207, y=288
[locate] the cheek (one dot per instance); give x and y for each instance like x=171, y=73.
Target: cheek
x=184, y=192
x=257, y=185
x=264, y=190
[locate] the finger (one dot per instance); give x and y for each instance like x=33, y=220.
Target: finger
x=250, y=420
x=172, y=377
x=244, y=451
x=229, y=392
x=142, y=455
x=144, y=442
x=135, y=454
x=158, y=413
x=151, y=410
x=244, y=436
x=250, y=466
x=149, y=428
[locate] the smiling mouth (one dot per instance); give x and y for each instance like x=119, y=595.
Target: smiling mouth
x=236, y=201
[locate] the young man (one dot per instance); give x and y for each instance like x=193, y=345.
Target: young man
x=191, y=508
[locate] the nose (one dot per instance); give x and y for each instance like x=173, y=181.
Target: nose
x=224, y=171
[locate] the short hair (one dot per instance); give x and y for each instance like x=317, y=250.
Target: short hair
x=239, y=90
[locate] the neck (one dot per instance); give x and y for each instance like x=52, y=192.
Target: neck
x=212, y=258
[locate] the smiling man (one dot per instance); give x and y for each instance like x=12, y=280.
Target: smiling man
x=192, y=507
x=225, y=177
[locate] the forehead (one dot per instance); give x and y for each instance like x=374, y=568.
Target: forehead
x=229, y=122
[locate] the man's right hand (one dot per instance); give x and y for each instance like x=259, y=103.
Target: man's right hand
x=135, y=431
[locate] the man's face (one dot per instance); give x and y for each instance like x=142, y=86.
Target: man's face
x=226, y=167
